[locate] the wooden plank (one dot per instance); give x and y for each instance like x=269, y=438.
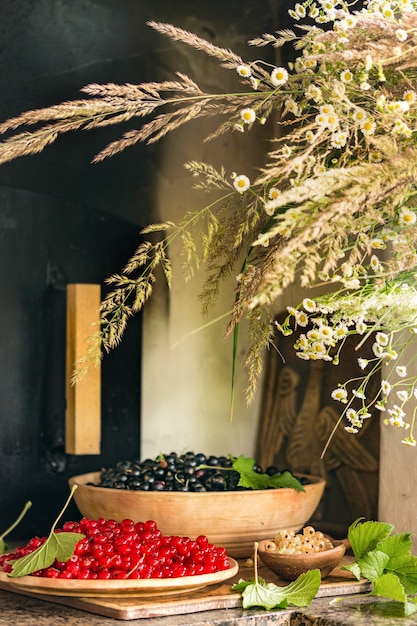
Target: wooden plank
x=219, y=596
x=83, y=399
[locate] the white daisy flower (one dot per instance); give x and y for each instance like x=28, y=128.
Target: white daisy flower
x=385, y=387
x=387, y=11
x=346, y=76
x=241, y=183
x=341, y=331
x=300, y=10
x=377, y=243
x=339, y=139
x=363, y=363
x=351, y=415
x=313, y=12
x=313, y=335
x=248, y=116
x=339, y=394
x=314, y=93
x=326, y=334
x=398, y=422
x=301, y=318
x=410, y=96
x=391, y=354
x=309, y=305
x=302, y=342
x=401, y=371
x=326, y=109
x=273, y=193
x=360, y=327
x=318, y=348
x=359, y=116
x=406, y=217
x=279, y=76
x=352, y=283
x=351, y=429
x=375, y=263
x=290, y=106
x=368, y=62
x=382, y=339
x=368, y=127
x=378, y=350
x=244, y=71
x=401, y=34
x=402, y=395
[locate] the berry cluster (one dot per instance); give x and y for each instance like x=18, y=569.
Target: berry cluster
x=112, y=550
x=174, y=472
x=307, y=542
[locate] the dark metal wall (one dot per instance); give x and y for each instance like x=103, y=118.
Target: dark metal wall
x=63, y=220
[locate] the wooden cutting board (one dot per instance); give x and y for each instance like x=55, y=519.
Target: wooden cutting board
x=219, y=596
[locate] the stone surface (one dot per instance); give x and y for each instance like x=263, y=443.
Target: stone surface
x=27, y=611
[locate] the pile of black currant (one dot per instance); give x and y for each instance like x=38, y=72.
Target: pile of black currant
x=176, y=472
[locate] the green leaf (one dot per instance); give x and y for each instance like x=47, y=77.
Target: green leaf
x=405, y=567
x=386, y=561
x=389, y=586
x=365, y=536
x=58, y=546
x=396, y=545
x=354, y=569
x=253, y=480
x=242, y=584
x=304, y=589
x=269, y=596
x=409, y=607
x=372, y=565
x=286, y=479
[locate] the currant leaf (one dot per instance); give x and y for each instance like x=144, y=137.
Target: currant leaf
x=396, y=545
x=253, y=480
x=365, y=536
x=269, y=596
x=372, y=565
x=405, y=568
x=389, y=586
x=58, y=546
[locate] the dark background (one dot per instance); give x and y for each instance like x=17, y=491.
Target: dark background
x=64, y=220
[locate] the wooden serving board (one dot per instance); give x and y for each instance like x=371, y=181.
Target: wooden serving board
x=218, y=596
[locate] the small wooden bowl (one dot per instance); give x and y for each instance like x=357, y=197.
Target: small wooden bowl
x=290, y=566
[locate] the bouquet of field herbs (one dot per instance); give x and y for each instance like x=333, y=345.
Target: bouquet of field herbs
x=335, y=205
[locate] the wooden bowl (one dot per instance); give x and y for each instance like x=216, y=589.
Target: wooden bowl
x=290, y=566
x=233, y=519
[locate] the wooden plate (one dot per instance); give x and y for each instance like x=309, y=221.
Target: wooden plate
x=118, y=588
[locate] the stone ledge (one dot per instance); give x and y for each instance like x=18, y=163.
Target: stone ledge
x=29, y=611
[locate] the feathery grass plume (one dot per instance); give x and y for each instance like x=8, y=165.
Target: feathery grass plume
x=334, y=203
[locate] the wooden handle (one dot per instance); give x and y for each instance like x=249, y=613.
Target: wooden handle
x=83, y=406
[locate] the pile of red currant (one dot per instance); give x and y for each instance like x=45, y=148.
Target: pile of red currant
x=112, y=550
